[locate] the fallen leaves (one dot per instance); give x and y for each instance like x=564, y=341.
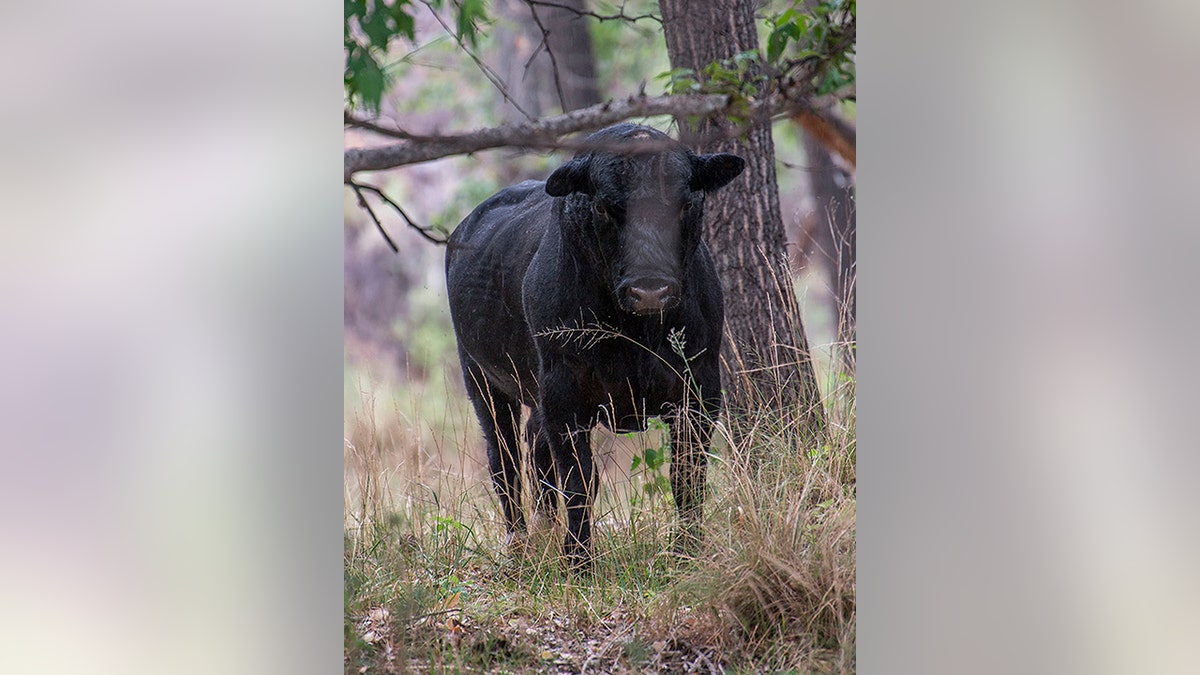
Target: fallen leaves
x=375, y=629
x=555, y=642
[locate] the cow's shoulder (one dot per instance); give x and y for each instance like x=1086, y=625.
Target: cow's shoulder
x=523, y=201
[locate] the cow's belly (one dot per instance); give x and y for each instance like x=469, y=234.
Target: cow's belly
x=625, y=423
x=630, y=408
x=508, y=368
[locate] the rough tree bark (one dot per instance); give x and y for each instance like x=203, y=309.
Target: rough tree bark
x=766, y=353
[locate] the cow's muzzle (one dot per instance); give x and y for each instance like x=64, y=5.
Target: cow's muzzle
x=649, y=296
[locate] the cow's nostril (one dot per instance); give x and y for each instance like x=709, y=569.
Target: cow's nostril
x=649, y=299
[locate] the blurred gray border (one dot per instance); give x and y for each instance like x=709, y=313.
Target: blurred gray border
x=170, y=371
x=170, y=365
x=1027, y=234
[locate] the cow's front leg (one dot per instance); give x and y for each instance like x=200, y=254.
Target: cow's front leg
x=566, y=419
x=573, y=459
x=691, y=435
x=545, y=479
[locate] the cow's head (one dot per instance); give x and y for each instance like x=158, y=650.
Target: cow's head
x=642, y=208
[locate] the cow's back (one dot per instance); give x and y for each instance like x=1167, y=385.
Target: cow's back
x=486, y=260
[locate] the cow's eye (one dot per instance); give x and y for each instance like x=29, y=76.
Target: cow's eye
x=599, y=209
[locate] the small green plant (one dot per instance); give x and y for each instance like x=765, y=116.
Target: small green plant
x=647, y=467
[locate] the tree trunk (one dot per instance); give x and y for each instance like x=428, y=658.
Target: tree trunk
x=525, y=41
x=570, y=42
x=766, y=355
x=833, y=238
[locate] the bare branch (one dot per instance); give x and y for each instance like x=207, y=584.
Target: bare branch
x=562, y=99
x=622, y=16
x=425, y=232
x=352, y=121
x=545, y=133
x=362, y=201
x=483, y=67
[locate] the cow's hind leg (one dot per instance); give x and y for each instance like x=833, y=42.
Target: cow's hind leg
x=499, y=416
x=545, y=478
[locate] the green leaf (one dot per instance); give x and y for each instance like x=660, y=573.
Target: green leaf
x=378, y=29
x=365, y=80
x=775, y=45
x=405, y=24
x=678, y=73
x=470, y=13
x=684, y=85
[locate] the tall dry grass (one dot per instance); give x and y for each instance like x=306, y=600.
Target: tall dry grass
x=428, y=583
x=778, y=571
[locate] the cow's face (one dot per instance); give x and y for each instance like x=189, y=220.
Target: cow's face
x=645, y=211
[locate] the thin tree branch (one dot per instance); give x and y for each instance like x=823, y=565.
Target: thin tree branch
x=562, y=99
x=622, y=16
x=362, y=201
x=483, y=67
x=425, y=232
x=352, y=121
x=544, y=133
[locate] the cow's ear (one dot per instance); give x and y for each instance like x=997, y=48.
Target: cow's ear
x=711, y=172
x=570, y=177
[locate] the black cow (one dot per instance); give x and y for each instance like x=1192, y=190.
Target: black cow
x=581, y=297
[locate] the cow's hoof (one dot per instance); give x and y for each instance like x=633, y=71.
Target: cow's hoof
x=516, y=545
x=685, y=544
x=583, y=567
x=542, y=524
x=579, y=561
